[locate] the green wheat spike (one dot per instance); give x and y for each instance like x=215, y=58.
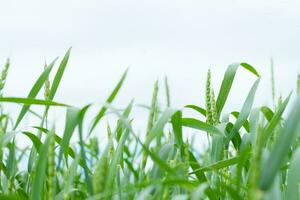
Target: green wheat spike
x=214, y=108
x=4, y=76
x=209, y=119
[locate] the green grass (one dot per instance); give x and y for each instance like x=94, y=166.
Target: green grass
x=251, y=154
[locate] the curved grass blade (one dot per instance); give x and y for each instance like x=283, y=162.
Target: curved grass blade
x=114, y=163
x=119, y=128
x=246, y=109
x=250, y=68
x=197, y=124
x=59, y=74
x=31, y=101
x=177, y=128
x=82, y=150
x=202, y=111
x=219, y=165
x=281, y=147
x=236, y=140
x=157, y=129
x=108, y=101
x=34, y=91
x=246, y=123
x=34, y=139
x=71, y=123
x=131, y=168
x=293, y=180
x=227, y=83
x=38, y=180
x=275, y=120
x=268, y=113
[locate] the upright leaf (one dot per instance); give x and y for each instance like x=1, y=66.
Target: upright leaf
x=246, y=109
x=59, y=75
x=227, y=83
x=177, y=127
x=71, y=123
x=108, y=101
x=38, y=180
x=292, y=190
x=34, y=91
x=286, y=138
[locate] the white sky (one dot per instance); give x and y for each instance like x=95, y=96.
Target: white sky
x=180, y=39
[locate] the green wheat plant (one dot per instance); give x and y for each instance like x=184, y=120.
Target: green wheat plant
x=250, y=153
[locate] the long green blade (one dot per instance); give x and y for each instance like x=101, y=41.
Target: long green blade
x=245, y=111
x=71, y=123
x=59, y=75
x=108, y=101
x=281, y=148
x=293, y=180
x=227, y=83
x=34, y=91
x=197, y=124
x=31, y=101
x=38, y=180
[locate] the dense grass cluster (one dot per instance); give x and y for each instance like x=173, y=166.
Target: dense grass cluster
x=251, y=154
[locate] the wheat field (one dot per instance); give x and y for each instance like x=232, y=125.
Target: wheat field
x=251, y=154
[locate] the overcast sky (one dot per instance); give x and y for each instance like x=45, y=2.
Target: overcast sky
x=154, y=38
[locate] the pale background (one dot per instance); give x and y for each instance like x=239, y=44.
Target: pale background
x=180, y=39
